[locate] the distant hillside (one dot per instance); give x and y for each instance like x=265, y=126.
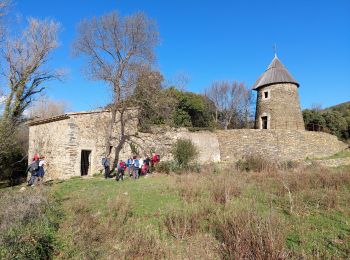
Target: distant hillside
x=334, y=119
x=343, y=108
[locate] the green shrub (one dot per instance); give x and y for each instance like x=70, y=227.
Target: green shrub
x=166, y=167
x=184, y=151
x=256, y=163
x=181, y=118
x=13, y=149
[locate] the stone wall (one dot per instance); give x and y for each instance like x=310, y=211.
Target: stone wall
x=162, y=138
x=282, y=107
x=52, y=140
x=277, y=144
x=63, y=139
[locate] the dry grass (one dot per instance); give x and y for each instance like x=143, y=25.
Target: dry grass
x=22, y=208
x=139, y=244
x=245, y=235
x=276, y=212
x=27, y=225
x=184, y=222
x=225, y=187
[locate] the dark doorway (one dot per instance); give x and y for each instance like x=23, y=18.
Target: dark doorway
x=264, y=122
x=85, y=162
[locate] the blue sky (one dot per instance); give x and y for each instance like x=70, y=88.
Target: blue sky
x=216, y=40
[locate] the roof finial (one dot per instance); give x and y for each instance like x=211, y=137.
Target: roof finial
x=275, y=50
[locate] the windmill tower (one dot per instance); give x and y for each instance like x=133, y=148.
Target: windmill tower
x=277, y=105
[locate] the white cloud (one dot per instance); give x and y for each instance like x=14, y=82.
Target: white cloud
x=2, y=99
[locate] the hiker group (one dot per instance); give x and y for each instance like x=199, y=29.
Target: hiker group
x=134, y=165
x=36, y=170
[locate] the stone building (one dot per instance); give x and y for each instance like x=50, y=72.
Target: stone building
x=73, y=143
x=277, y=105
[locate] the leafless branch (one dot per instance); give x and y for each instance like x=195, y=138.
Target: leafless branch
x=230, y=99
x=116, y=49
x=26, y=57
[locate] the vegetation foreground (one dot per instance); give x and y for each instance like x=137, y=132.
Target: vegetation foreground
x=219, y=212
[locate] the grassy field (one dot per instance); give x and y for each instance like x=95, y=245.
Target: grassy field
x=219, y=213
x=342, y=154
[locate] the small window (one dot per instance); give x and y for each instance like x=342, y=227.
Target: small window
x=266, y=94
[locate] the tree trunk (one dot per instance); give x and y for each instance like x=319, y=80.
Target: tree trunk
x=122, y=140
x=226, y=125
x=7, y=109
x=110, y=131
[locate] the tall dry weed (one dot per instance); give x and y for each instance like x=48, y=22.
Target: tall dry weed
x=190, y=187
x=182, y=223
x=224, y=187
x=137, y=243
x=93, y=235
x=244, y=234
x=27, y=225
x=257, y=163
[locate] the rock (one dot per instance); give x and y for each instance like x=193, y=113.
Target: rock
x=22, y=189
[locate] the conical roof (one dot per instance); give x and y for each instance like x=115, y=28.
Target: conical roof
x=275, y=73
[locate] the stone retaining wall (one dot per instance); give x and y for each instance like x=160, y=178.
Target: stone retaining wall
x=331, y=162
x=277, y=144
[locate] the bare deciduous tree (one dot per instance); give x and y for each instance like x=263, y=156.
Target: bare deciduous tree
x=116, y=49
x=4, y=4
x=45, y=108
x=230, y=99
x=25, y=57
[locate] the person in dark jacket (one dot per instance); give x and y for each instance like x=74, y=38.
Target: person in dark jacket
x=33, y=169
x=105, y=163
x=147, y=162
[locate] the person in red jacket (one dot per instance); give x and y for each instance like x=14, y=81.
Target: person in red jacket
x=155, y=159
x=121, y=169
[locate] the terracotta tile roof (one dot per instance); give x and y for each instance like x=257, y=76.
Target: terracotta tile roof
x=275, y=73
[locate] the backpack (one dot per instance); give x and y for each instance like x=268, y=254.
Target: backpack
x=34, y=167
x=105, y=162
x=136, y=163
x=158, y=158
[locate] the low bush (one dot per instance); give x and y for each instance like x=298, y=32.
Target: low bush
x=184, y=152
x=256, y=164
x=166, y=167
